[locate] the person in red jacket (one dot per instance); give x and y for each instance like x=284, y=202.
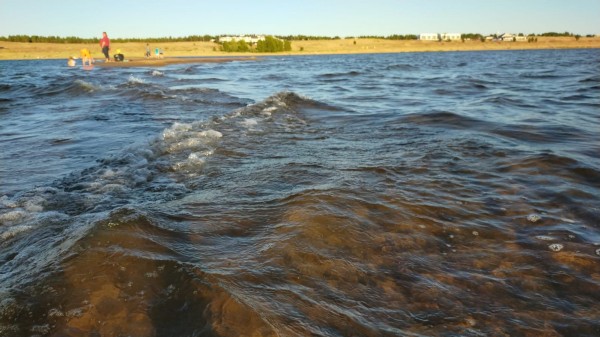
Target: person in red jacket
x=105, y=45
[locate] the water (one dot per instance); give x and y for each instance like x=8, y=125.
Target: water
x=417, y=194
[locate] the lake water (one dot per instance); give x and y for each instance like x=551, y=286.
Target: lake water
x=414, y=194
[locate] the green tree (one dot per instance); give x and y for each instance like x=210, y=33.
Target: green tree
x=272, y=45
x=242, y=46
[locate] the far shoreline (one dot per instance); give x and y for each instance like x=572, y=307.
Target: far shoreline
x=202, y=52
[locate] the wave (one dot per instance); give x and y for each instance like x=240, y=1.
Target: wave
x=103, y=221
x=537, y=131
x=402, y=66
x=445, y=119
x=340, y=76
x=156, y=171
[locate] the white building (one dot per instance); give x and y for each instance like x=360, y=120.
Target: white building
x=429, y=37
x=248, y=39
x=443, y=37
x=450, y=36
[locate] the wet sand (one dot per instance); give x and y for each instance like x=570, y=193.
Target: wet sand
x=154, y=62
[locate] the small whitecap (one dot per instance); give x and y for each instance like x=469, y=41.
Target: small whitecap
x=567, y=220
x=109, y=173
x=177, y=130
x=196, y=159
x=157, y=73
x=476, y=233
x=6, y=202
x=544, y=237
x=212, y=134
x=534, y=217
x=135, y=80
x=268, y=111
x=556, y=247
x=85, y=85
x=185, y=144
x=598, y=251
x=249, y=122
x=14, y=231
x=55, y=313
x=33, y=205
x=13, y=216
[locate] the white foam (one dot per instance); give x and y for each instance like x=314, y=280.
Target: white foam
x=185, y=144
x=556, y=247
x=107, y=174
x=268, y=111
x=545, y=238
x=249, y=122
x=193, y=162
x=6, y=202
x=176, y=130
x=135, y=80
x=13, y=216
x=12, y=231
x=157, y=73
x=34, y=205
x=534, y=217
x=212, y=134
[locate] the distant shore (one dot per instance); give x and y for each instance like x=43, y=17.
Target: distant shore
x=136, y=50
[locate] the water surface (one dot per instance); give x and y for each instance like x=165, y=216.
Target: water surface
x=416, y=194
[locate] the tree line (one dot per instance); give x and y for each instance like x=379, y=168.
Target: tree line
x=269, y=45
x=74, y=39
x=206, y=38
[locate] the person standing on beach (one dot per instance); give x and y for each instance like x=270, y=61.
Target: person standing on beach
x=86, y=57
x=105, y=45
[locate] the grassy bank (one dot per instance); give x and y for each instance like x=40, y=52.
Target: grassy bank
x=18, y=50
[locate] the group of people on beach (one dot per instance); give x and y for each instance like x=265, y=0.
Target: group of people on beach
x=86, y=55
x=87, y=60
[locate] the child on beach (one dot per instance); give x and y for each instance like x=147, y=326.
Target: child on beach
x=86, y=57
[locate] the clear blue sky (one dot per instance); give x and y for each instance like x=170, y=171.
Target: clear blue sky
x=157, y=18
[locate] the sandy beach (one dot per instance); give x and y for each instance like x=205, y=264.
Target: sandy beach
x=209, y=51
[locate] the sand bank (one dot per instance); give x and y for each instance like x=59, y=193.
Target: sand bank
x=154, y=62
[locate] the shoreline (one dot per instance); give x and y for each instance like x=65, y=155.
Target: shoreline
x=200, y=52
x=161, y=62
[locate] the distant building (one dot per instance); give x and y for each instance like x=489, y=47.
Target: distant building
x=438, y=37
x=450, y=36
x=512, y=37
x=248, y=39
x=429, y=37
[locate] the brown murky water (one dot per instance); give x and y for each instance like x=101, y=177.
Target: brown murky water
x=411, y=195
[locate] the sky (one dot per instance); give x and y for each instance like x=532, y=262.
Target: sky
x=344, y=18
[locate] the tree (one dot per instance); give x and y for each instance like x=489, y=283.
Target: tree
x=272, y=45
